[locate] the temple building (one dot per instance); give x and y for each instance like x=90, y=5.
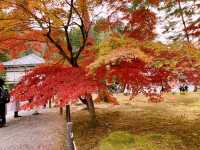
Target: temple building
x=16, y=68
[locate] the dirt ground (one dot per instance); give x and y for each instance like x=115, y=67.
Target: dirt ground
x=34, y=132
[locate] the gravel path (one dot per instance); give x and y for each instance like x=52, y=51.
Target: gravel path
x=34, y=132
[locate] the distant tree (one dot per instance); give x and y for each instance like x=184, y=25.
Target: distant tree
x=181, y=13
x=3, y=57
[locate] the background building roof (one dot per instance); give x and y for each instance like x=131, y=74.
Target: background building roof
x=31, y=59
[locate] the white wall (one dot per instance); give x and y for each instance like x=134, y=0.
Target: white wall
x=14, y=74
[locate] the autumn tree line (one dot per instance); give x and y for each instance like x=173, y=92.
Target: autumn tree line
x=89, y=43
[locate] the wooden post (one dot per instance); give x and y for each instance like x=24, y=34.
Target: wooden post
x=68, y=115
x=70, y=138
x=70, y=143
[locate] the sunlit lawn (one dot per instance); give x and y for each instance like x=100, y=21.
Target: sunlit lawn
x=170, y=125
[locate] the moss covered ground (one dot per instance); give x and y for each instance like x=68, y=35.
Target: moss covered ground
x=139, y=125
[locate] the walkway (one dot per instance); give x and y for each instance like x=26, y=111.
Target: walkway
x=34, y=132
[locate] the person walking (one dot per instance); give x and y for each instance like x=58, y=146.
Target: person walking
x=16, y=109
x=4, y=99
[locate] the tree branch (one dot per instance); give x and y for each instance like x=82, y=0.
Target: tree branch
x=62, y=52
x=84, y=34
x=69, y=46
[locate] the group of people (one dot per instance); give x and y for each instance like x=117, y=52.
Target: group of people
x=183, y=88
x=4, y=99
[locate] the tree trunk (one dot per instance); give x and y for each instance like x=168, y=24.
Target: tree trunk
x=183, y=21
x=74, y=62
x=91, y=109
x=88, y=99
x=85, y=102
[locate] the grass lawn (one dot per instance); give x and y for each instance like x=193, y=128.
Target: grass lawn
x=139, y=125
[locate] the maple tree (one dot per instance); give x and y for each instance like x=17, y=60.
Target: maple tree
x=56, y=82
x=141, y=25
x=134, y=17
x=146, y=64
x=47, y=27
